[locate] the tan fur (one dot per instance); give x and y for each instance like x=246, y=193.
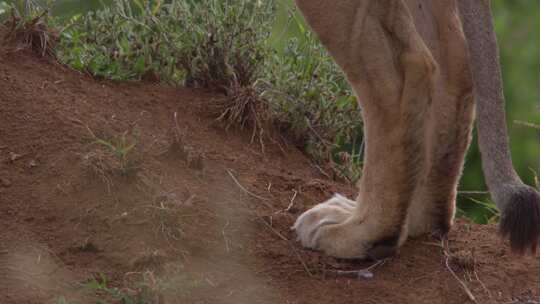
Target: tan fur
x=408, y=62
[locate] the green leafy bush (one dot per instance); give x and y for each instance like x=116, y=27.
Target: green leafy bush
x=122, y=42
x=314, y=103
x=226, y=45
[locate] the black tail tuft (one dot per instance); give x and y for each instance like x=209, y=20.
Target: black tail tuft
x=520, y=221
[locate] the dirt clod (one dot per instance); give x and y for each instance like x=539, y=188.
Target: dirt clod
x=14, y=156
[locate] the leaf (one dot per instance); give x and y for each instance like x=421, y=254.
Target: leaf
x=140, y=65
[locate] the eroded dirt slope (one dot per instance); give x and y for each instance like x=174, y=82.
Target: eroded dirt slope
x=186, y=212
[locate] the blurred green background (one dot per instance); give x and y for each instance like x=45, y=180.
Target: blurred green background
x=518, y=30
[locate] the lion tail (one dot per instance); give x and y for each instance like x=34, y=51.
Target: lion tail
x=519, y=204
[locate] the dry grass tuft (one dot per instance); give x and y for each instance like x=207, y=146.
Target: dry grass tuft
x=244, y=108
x=114, y=157
x=102, y=165
x=31, y=32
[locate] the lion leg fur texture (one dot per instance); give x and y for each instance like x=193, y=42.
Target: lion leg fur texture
x=408, y=62
x=450, y=119
x=392, y=72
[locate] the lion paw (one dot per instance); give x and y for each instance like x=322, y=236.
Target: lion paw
x=328, y=227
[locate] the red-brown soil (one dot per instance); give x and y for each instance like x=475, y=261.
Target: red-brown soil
x=180, y=223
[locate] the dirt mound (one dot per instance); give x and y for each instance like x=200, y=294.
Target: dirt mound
x=116, y=190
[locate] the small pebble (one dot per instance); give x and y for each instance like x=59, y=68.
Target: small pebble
x=14, y=156
x=365, y=274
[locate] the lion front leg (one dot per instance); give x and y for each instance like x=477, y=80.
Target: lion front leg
x=333, y=228
x=391, y=70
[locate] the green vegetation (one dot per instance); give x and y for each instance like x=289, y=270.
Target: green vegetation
x=148, y=290
x=226, y=45
x=274, y=72
x=120, y=148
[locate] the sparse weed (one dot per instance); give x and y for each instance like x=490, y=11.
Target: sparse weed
x=166, y=210
x=489, y=214
x=120, y=147
x=147, y=292
x=145, y=288
x=114, y=156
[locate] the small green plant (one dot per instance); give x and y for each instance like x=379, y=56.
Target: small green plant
x=146, y=289
x=120, y=147
x=489, y=213
x=4, y=7
x=145, y=293
x=109, y=157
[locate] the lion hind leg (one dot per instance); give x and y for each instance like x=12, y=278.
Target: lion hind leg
x=449, y=127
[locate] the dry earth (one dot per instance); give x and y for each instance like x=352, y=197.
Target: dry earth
x=190, y=213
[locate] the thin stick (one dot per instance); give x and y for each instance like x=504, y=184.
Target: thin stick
x=447, y=262
x=292, y=201
x=322, y=171
x=473, y=192
x=291, y=204
x=527, y=124
x=273, y=230
x=361, y=273
x=225, y=236
x=246, y=190
x=482, y=284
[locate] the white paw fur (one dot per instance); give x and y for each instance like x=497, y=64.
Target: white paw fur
x=312, y=226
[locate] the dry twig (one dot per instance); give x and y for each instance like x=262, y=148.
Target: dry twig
x=264, y=199
x=364, y=273
x=291, y=204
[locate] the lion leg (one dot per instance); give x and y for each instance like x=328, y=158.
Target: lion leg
x=391, y=70
x=449, y=127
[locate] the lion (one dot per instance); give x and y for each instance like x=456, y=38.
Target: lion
x=419, y=68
